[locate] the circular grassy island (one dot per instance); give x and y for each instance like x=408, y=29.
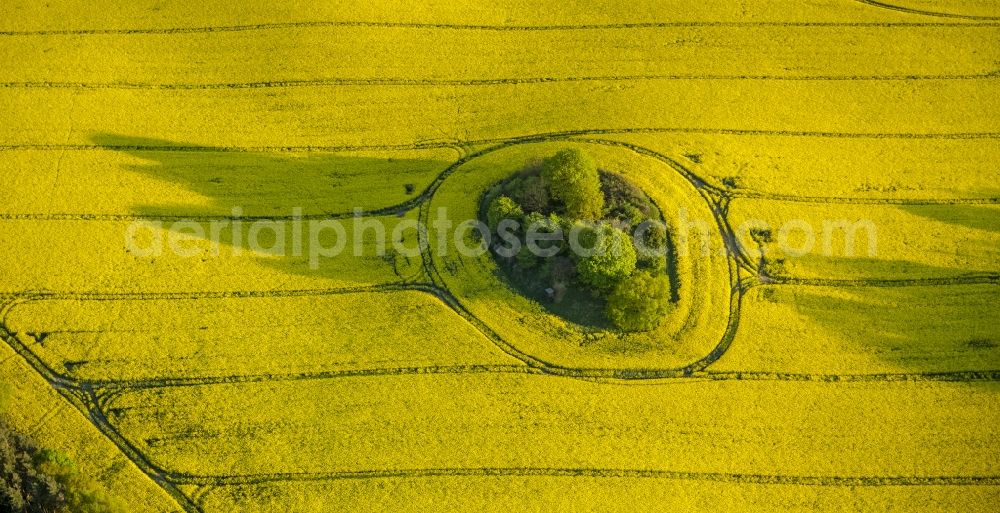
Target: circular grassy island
x=572, y=313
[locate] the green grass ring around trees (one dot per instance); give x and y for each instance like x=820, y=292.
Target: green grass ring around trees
x=695, y=329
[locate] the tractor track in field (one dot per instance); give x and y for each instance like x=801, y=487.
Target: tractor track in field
x=461, y=147
x=93, y=397
x=104, y=390
x=157, y=474
x=450, y=143
x=888, y=5
x=749, y=194
x=221, y=294
x=965, y=279
x=877, y=377
x=537, y=367
x=294, y=25
x=200, y=495
x=735, y=194
x=620, y=473
x=474, y=82
x=132, y=385
x=716, y=197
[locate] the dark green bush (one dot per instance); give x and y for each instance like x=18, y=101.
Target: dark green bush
x=622, y=200
x=531, y=194
x=651, y=249
x=612, y=257
x=572, y=179
x=639, y=302
x=502, y=208
x=37, y=480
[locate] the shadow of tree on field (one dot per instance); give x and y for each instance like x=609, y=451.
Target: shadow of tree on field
x=272, y=183
x=944, y=326
x=978, y=217
x=232, y=184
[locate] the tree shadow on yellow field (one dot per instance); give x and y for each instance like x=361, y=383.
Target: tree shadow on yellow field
x=947, y=323
x=273, y=183
x=978, y=217
x=252, y=203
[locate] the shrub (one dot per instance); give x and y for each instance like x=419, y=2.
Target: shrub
x=761, y=235
x=630, y=215
x=775, y=268
x=622, y=197
x=611, y=255
x=541, y=223
x=534, y=218
x=502, y=208
x=531, y=194
x=537, y=224
x=43, y=480
x=655, y=236
x=653, y=246
x=572, y=178
x=639, y=302
x=657, y=265
x=733, y=182
x=23, y=487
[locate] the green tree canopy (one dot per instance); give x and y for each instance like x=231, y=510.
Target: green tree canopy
x=639, y=302
x=502, y=207
x=33, y=479
x=604, y=255
x=573, y=179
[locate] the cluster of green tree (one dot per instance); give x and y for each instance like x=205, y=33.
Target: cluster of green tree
x=37, y=480
x=580, y=228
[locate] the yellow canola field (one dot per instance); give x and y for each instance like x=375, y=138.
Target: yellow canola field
x=799, y=430
x=243, y=338
x=237, y=381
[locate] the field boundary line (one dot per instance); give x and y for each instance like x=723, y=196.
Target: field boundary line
x=738, y=194
x=964, y=279
x=483, y=27
x=875, y=377
x=769, y=479
x=411, y=204
x=222, y=294
x=132, y=385
x=398, y=81
x=923, y=12
x=452, y=143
